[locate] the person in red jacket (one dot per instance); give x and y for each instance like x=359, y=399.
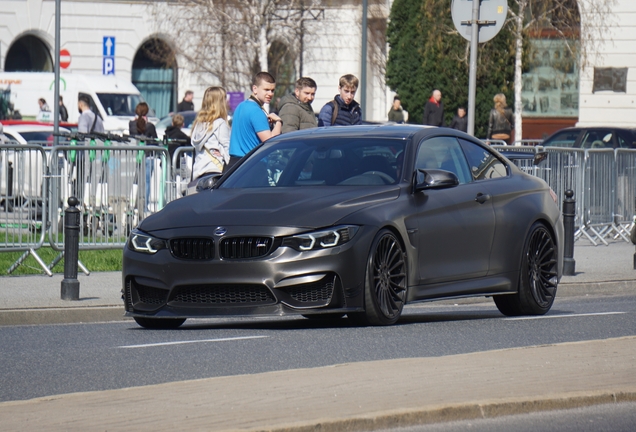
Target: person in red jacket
x=434, y=110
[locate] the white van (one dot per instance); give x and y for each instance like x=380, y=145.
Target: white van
x=113, y=98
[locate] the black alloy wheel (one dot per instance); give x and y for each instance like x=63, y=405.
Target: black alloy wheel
x=538, y=278
x=385, y=282
x=159, y=323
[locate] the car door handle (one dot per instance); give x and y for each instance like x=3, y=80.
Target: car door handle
x=482, y=198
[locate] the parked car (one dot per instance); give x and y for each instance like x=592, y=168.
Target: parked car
x=164, y=123
x=26, y=133
x=592, y=137
x=356, y=220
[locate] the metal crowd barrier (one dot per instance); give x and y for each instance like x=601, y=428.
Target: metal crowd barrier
x=604, y=185
x=118, y=186
x=23, y=205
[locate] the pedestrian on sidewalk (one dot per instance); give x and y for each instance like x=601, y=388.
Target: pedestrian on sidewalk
x=295, y=108
x=343, y=110
x=434, y=110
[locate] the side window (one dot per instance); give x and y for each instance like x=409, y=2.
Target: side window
x=626, y=139
x=443, y=153
x=483, y=164
x=600, y=138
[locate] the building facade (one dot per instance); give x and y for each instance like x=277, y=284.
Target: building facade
x=112, y=36
x=601, y=92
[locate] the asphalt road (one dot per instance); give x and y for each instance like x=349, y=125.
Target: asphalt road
x=53, y=359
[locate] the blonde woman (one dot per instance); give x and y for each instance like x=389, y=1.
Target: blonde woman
x=501, y=123
x=211, y=134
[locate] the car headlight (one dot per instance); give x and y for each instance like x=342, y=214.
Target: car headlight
x=322, y=239
x=144, y=243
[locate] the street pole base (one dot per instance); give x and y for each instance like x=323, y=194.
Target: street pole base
x=568, y=266
x=70, y=289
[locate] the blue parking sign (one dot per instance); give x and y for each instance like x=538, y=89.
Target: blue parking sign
x=108, y=66
x=108, y=47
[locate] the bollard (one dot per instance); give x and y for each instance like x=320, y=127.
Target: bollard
x=70, y=284
x=569, y=212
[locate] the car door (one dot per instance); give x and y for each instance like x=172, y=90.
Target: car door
x=455, y=225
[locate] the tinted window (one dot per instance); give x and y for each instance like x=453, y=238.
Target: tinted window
x=443, y=153
x=40, y=136
x=341, y=162
x=565, y=138
x=483, y=164
x=597, y=138
x=120, y=104
x=626, y=138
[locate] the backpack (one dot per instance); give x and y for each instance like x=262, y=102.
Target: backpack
x=334, y=112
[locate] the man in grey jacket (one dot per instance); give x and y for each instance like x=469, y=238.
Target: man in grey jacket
x=295, y=108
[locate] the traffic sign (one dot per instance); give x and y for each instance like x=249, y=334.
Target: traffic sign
x=65, y=58
x=492, y=16
x=108, y=66
x=108, y=46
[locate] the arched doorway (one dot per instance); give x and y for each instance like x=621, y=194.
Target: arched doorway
x=154, y=72
x=28, y=54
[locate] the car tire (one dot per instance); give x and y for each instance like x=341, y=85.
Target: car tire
x=537, y=279
x=159, y=323
x=385, y=282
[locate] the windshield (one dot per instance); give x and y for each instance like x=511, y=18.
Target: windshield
x=120, y=104
x=188, y=118
x=316, y=162
x=565, y=138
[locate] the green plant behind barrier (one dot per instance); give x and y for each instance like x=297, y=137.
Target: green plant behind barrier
x=93, y=260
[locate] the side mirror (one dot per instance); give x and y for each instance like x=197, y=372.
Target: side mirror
x=207, y=182
x=433, y=179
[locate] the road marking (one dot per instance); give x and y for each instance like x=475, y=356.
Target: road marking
x=563, y=316
x=191, y=341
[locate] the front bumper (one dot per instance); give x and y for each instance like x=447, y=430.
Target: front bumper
x=284, y=282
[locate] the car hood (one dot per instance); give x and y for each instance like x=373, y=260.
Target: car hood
x=307, y=207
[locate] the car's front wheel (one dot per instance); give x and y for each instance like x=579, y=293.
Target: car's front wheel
x=538, y=278
x=385, y=281
x=159, y=323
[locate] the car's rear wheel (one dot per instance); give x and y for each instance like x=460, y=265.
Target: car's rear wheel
x=159, y=323
x=385, y=281
x=538, y=278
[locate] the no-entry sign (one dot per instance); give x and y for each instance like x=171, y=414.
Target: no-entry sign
x=65, y=58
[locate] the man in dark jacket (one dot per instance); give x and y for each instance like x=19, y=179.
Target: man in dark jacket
x=343, y=110
x=434, y=110
x=295, y=108
x=460, y=121
x=186, y=104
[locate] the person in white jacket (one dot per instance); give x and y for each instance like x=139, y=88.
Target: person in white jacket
x=211, y=134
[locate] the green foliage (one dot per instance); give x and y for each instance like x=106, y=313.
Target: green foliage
x=427, y=53
x=94, y=261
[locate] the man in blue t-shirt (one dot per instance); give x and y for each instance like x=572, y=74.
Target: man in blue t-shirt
x=250, y=122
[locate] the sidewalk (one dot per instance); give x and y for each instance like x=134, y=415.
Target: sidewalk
x=345, y=397
x=601, y=270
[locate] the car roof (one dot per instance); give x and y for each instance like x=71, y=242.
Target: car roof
x=388, y=130
x=34, y=122
x=29, y=128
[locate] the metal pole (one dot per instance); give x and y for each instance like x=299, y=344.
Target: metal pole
x=569, y=213
x=70, y=284
x=472, y=78
x=56, y=94
x=363, y=69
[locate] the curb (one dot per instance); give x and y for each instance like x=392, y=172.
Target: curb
x=62, y=315
x=451, y=413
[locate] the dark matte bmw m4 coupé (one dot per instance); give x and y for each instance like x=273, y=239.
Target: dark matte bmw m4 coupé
x=350, y=220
